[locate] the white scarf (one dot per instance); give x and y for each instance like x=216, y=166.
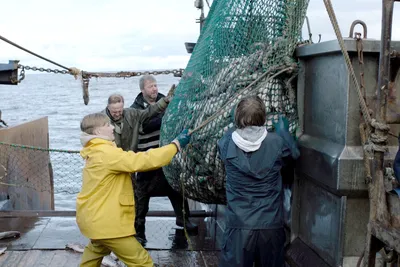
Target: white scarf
x=249, y=139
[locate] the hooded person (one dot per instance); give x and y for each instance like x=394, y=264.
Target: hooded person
x=105, y=205
x=253, y=159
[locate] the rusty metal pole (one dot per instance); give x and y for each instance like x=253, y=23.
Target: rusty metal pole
x=381, y=214
x=378, y=208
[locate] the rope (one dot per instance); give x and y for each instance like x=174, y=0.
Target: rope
x=234, y=97
x=332, y=17
x=184, y=212
x=377, y=141
x=75, y=72
x=380, y=126
x=32, y=53
x=366, y=154
x=40, y=149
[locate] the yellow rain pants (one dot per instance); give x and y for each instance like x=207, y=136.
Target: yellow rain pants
x=127, y=249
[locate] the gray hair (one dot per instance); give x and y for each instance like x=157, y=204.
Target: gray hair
x=115, y=98
x=144, y=78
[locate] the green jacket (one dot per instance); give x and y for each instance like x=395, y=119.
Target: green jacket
x=132, y=123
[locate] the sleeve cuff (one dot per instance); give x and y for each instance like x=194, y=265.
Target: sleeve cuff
x=178, y=146
x=162, y=103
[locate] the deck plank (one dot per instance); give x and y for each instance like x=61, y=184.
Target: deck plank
x=29, y=258
x=45, y=258
x=13, y=259
x=167, y=258
x=154, y=255
x=3, y=257
x=59, y=258
x=211, y=258
x=42, y=243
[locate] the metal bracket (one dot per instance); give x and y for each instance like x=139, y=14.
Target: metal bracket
x=9, y=72
x=362, y=23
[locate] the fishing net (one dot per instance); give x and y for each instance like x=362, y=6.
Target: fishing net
x=39, y=169
x=242, y=48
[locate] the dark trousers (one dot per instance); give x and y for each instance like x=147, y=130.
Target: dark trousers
x=243, y=248
x=154, y=184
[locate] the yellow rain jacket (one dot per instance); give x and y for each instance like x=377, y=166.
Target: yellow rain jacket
x=105, y=206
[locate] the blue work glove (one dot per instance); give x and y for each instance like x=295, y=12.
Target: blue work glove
x=183, y=139
x=282, y=129
x=281, y=126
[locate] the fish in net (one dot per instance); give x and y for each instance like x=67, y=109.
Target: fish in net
x=245, y=48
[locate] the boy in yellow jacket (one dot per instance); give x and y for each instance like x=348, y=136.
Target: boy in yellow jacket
x=105, y=208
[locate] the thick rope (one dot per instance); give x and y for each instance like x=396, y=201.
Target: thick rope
x=366, y=154
x=183, y=208
x=32, y=53
x=77, y=73
x=40, y=149
x=378, y=142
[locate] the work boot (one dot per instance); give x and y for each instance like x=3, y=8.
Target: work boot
x=188, y=224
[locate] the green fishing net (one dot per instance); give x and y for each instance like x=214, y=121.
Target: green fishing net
x=242, y=45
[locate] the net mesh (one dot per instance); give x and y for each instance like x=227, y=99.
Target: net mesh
x=42, y=170
x=243, y=43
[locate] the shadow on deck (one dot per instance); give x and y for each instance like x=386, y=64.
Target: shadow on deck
x=43, y=242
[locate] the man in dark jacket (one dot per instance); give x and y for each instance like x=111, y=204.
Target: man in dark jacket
x=154, y=183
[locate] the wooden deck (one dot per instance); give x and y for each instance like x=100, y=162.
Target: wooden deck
x=43, y=242
x=66, y=258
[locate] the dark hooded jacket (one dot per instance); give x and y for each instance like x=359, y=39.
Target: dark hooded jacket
x=254, y=182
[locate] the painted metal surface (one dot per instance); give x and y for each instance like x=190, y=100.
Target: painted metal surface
x=330, y=206
x=9, y=72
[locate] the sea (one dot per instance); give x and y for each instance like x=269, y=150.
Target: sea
x=59, y=97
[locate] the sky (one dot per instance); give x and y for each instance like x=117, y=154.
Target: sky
x=114, y=35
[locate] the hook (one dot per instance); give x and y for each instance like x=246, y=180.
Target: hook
x=362, y=23
x=309, y=30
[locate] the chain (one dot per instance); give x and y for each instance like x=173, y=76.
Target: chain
x=88, y=75
x=75, y=72
x=360, y=53
x=23, y=68
x=121, y=74
x=42, y=69
x=364, y=132
x=128, y=74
